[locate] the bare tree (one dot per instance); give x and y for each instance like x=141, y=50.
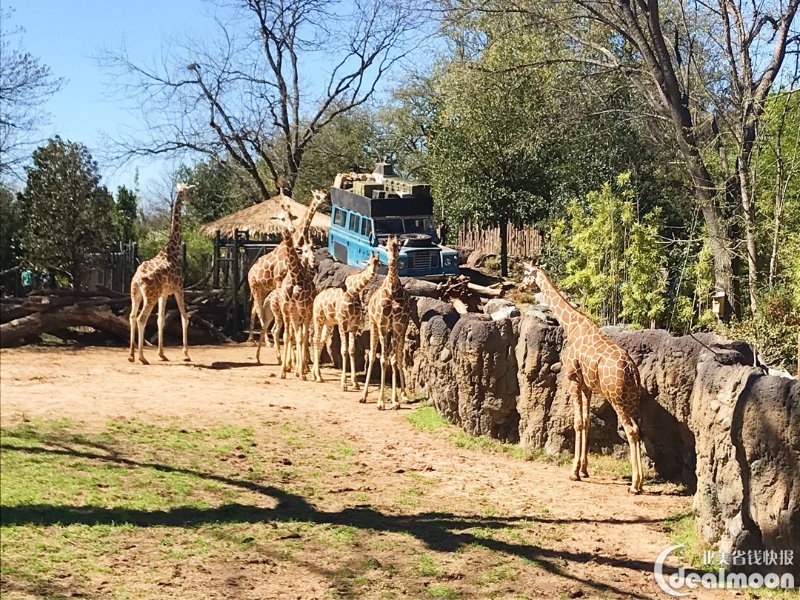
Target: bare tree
x=250, y=98
x=705, y=68
x=25, y=84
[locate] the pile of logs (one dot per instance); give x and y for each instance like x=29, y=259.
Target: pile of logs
x=67, y=313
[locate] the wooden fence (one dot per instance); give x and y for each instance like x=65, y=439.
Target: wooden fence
x=523, y=241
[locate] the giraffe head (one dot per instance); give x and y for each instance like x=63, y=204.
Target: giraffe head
x=531, y=279
x=317, y=198
x=392, y=250
x=372, y=262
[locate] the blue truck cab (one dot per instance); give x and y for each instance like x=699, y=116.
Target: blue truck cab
x=365, y=213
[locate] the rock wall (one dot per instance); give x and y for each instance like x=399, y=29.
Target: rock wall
x=747, y=427
x=709, y=419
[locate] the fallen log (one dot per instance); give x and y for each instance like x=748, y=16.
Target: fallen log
x=486, y=291
x=15, y=332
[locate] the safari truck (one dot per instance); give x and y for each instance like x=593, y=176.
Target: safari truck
x=368, y=208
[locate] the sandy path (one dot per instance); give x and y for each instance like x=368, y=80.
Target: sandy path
x=609, y=538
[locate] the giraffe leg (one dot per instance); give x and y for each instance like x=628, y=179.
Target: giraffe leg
x=184, y=324
x=398, y=354
x=574, y=392
x=632, y=433
x=141, y=322
x=320, y=335
x=393, y=366
x=287, y=326
x=162, y=309
x=373, y=346
x=303, y=350
x=343, y=339
x=382, y=394
x=269, y=318
x=351, y=349
x=252, y=322
x=256, y=310
x=587, y=397
x=136, y=302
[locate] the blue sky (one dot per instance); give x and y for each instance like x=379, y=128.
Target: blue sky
x=68, y=35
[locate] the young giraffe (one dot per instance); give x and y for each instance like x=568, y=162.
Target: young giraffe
x=342, y=307
x=272, y=310
x=388, y=312
x=154, y=281
x=593, y=364
x=296, y=299
x=268, y=271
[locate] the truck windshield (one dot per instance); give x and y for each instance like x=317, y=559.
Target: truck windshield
x=418, y=225
x=388, y=226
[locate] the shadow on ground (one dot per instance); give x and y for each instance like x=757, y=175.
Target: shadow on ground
x=440, y=531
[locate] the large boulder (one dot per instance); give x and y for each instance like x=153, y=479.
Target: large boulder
x=668, y=370
x=538, y=359
x=747, y=429
x=485, y=374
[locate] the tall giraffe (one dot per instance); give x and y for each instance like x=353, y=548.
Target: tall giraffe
x=272, y=310
x=593, y=364
x=342, y=307
x=154, y=281
x=296, y=299
x=268, y=271
x=388, y=312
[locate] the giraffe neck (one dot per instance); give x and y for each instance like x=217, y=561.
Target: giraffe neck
x=294, y=263
x=392, y=278
x=359, y=281
x=566, y=314
x=302, y=234
x=174, y=243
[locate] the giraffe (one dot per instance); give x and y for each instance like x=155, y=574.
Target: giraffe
x=154, y=281
x=342, y=307
x=272, y=310
x=296, y=299
x=388, y=312
x=593, y=364
x=268, y=271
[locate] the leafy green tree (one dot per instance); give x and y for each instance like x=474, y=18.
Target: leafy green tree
x=616, y=265
x=10, y=228
x=126, y=215
x=220, y=189
x=68, y=215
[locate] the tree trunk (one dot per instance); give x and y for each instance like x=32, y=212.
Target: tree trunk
x=746, y=188
x=504, y=247
x=14, y=332
x=719, y=239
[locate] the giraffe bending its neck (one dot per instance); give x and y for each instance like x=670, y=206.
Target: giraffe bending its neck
x=154, y=281
x=342, y=307
x=593, y=364
x=268, y=271
x=388, y=312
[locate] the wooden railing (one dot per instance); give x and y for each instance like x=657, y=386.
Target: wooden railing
x=524, y=241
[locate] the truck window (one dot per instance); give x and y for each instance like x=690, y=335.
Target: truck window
x=419, y=225
x=355, y=223
x=366, y=227
x=339, y=216
x=389, y=226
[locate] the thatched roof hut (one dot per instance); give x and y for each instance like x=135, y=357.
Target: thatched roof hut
x=267, y=220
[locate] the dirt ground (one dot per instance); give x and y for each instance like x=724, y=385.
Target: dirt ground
x=581, y=539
